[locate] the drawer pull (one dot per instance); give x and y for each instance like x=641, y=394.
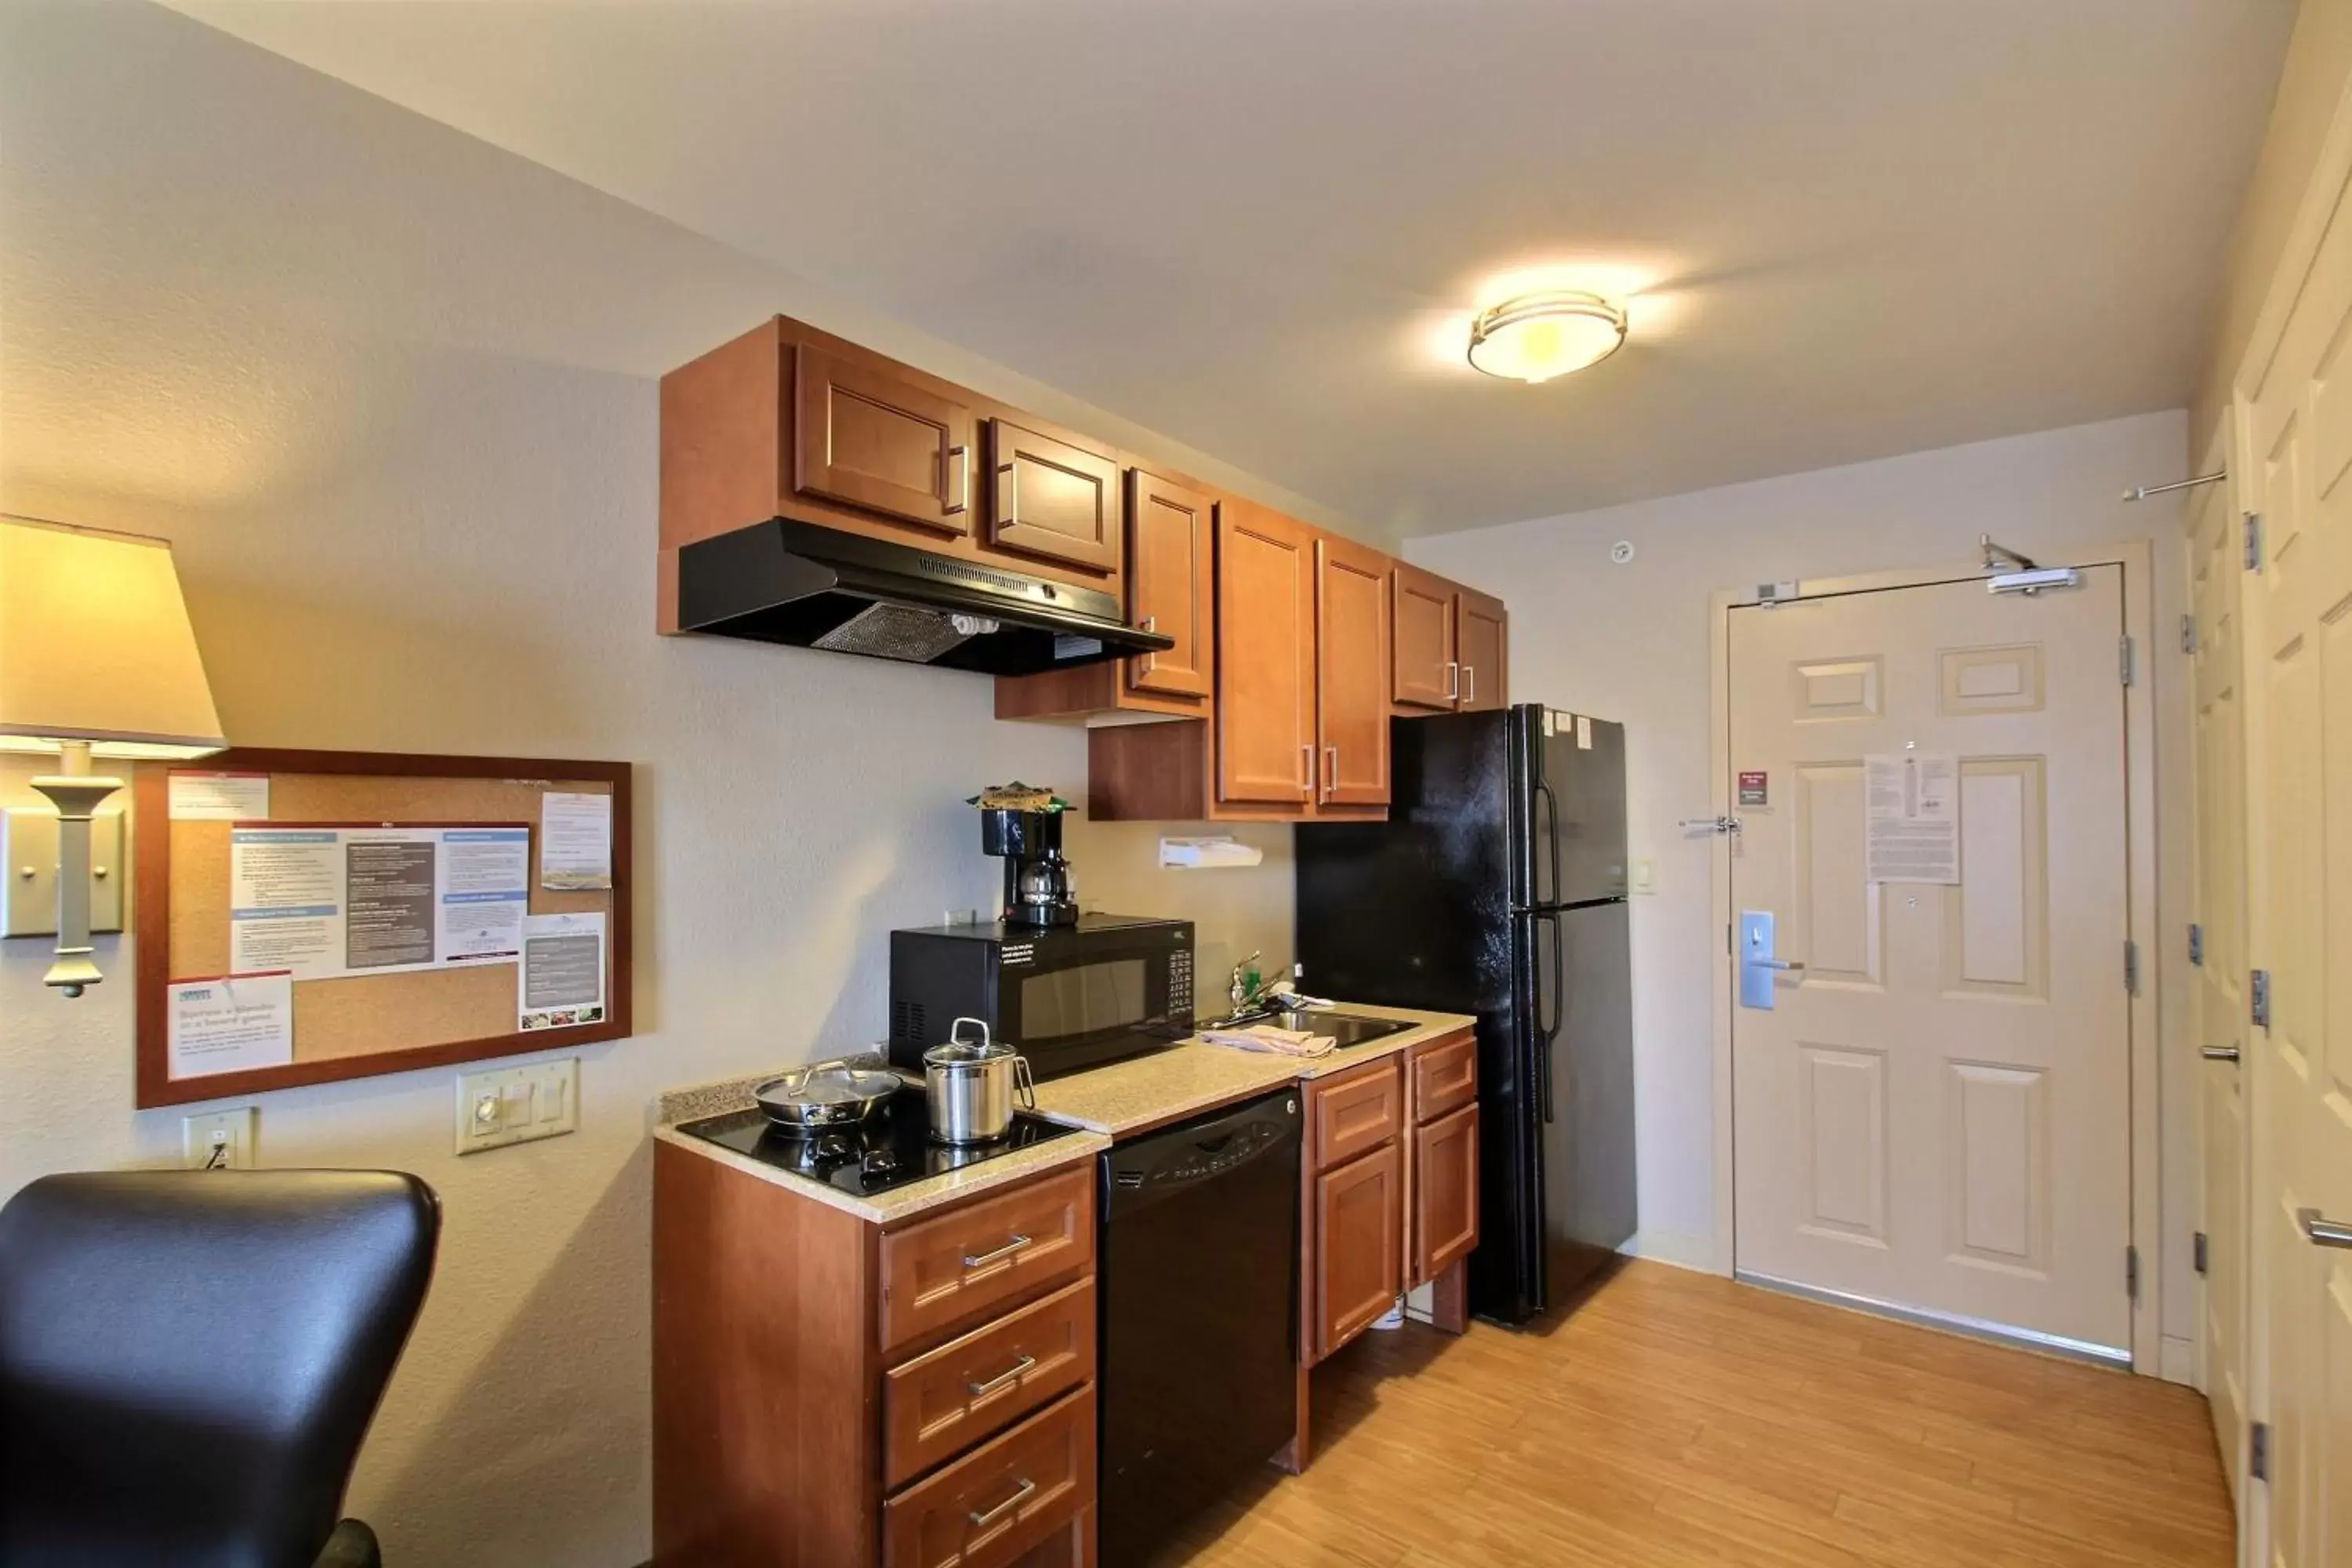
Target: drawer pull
x=1021, y=1494
x=1025, y=1365
x=999, y=1255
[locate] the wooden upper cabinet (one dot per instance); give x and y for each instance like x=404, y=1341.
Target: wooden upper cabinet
x=1170, y=544
x=867, y=434
x=1426, y=674
x=1482, y=636
x=1266, y=661
x=1053, y=498
x=1351, y=673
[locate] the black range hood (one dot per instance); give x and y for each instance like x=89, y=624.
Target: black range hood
x=810, y=586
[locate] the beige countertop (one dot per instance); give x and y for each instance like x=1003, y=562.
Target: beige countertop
x=1130, y=1096
x=1123, y=1097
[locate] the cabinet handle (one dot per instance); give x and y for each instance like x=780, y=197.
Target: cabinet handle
x=1453, y=681
x=1306, y=768
x=1008, y=509
x=959, y=498
x=1470, y=683
x=1021, y=1494
x=999, y=1255
x=1331, y=770
x=1025, y=1364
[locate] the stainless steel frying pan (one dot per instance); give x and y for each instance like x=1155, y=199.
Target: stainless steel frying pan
x=826, y=1095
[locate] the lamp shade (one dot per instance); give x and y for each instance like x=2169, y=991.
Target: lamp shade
x=95, y=647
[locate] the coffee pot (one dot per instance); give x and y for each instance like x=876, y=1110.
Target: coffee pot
x=1038, y=889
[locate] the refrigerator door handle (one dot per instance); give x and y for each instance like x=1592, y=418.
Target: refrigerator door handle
x=1551, y=841
x=1548, y=1032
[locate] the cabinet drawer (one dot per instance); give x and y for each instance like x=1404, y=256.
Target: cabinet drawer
x=1001, y=1501
x=977, y=1259
x=1445, y=1076
x=1354, y=1113
x=941, y=1403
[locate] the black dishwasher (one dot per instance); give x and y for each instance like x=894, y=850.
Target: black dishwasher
x=1199, y=1282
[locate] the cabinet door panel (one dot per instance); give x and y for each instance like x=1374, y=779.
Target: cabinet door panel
x=1427, y=675
x=1265, y=664
x=867, y=435
x=1053, y=498
x=1168, y=551
x=1444, y=1193
x=1481, y=625
x=1358, y=1247
x=1351, y=671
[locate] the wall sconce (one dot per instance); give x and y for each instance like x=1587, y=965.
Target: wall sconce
x=97, y=660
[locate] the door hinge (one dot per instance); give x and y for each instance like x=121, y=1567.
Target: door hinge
x=2131, y=966
x=2196, y=1255
x=2254, y=542
x=2189, y=634
x=2124, y=660
x=2131, y=1271
x=2257, y=1451
x=2258, y=987
x=2195, y=944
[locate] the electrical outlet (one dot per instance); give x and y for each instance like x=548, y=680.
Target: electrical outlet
x=518, y=1105
x=218, y=1139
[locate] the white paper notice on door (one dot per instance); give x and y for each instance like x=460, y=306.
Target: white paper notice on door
x=1913, y=809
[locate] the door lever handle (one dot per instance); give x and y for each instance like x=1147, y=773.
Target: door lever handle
x=1789, y=964
x=2321, y=1231
x=2220, y=1052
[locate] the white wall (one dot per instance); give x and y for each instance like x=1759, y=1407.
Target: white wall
x=1631, y=643
x=390, y=391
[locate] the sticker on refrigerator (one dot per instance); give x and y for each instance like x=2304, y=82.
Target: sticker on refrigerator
x=1583, y=733
x=1756, y=788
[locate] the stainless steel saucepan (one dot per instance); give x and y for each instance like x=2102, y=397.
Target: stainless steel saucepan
x=972, y=1085
x=825, y=1096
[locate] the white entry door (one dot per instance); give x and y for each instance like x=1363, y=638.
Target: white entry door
x=2219, y=970
x=2297, y=473
x=1934, y=1114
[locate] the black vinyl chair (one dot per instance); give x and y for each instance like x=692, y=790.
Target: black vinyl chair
x=189, y=1360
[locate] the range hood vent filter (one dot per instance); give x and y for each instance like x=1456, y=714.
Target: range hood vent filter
x=894, y=631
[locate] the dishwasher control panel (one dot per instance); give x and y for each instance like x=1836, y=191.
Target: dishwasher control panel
x=1216, y=1149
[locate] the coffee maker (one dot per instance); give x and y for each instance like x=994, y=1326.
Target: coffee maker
x=1037, y=887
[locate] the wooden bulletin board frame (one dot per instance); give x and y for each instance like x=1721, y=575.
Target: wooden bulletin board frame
x=412, y=789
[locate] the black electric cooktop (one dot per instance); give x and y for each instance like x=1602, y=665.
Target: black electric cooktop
x=893, y=1149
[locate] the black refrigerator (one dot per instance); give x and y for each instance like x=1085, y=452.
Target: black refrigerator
x=1498, y=887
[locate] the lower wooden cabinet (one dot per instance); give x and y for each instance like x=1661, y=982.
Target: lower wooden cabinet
x=831, y=1391
x=1444, y=1194
x=1359, y=1246
x=992, y=1507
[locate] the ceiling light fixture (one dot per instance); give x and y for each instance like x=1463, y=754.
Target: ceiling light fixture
x=1535, y=337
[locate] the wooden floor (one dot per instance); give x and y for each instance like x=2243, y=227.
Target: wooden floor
x=1679, y=1418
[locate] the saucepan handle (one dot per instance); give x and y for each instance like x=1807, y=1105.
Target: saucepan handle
x=1025, y=1082
x=955, y=1030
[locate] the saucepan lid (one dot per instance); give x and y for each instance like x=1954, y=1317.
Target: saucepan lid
x=960, y=1052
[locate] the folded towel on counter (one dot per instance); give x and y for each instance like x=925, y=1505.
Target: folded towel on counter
x=1277, y=1042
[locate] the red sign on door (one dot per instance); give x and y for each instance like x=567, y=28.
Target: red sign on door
x=1755, y=788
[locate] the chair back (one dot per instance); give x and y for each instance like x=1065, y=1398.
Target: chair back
x=190, y=1359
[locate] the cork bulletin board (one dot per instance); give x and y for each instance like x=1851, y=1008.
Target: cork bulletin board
x=360, y=1025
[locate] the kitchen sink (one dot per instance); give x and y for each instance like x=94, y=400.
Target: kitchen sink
x=1346, y=1028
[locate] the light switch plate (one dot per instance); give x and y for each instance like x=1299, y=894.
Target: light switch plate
x=518, y=1105
x=29, y=852
x=1645, y=876
x=218, y=1139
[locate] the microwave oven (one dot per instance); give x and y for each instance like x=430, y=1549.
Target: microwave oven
x=1069, y=997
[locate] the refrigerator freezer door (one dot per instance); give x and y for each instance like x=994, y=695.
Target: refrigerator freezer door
x=1590, y=1209
x=1507, y=1271
x=1583, y=769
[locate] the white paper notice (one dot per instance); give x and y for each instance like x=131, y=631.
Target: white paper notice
x=286, y=901
x=219, y=797
x=561, y=983
x=1914, y=808
x=485, y=890
x=575, y=842
x=230, y=1022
